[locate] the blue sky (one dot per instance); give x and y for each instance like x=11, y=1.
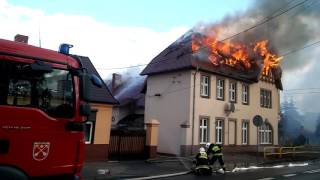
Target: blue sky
x=159, y=15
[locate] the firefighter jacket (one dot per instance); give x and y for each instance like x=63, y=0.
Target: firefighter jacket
x=202, y=159
x=215, y=150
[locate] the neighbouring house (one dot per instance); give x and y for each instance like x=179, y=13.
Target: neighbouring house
x=129, y=91
x=98, y=125
x=197, y=102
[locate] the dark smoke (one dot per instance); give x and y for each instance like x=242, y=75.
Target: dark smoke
x=289, y=31
x=286, y=33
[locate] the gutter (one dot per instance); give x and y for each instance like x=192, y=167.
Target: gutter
x=193, y=107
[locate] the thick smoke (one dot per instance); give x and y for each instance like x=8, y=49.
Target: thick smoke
x=289, y=31
x=130, y=82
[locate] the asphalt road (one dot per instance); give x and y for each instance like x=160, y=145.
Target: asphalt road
x=299, y=172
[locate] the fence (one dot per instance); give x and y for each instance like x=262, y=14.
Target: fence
x=127, y=144
x=293, y=151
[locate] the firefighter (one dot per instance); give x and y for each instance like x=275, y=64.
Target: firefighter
x=214, y=152
x=202, y=163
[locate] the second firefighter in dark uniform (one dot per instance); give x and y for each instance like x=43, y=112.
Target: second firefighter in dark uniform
x=214, y=152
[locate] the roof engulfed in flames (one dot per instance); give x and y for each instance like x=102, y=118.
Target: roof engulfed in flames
x=236, y=54
x=244, y=62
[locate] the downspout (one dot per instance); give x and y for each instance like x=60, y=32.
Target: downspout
x=193, y=107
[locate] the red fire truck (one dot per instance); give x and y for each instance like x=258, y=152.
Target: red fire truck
x=43, y=104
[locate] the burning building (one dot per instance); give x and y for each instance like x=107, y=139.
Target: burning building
x=204, y=90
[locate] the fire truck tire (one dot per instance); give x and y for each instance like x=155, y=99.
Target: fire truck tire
x=10, y=173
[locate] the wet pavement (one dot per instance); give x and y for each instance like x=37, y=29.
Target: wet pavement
x=169, y=165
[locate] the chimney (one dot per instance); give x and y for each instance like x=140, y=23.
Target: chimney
x=21, y=38
x=116, y=81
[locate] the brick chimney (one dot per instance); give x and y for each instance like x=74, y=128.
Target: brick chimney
x=21, y=38
x=116, y=81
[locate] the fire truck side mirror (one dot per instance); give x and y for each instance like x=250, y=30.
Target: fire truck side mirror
x=85, y=80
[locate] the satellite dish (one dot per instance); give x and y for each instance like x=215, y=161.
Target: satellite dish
x=257, y=120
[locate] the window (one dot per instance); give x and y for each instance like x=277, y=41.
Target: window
x=89, y=127
x=233, y=91
x=245, y=94
x=265, y=98
x=245, y=134
x=51, y=92
x=88, y=132
x=204, y=130
x=220, y=89
x=265, y=134
x=204, y=86
x=219, y=132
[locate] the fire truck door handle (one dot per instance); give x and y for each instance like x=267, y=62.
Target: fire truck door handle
x=4, y=146
x=75, y=126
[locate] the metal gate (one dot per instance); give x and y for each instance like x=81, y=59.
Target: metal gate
x=126, y=145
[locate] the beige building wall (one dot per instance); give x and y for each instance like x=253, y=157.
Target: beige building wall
x=103, y=123
x=174, y=107
x=214, y=109
x=171, y=108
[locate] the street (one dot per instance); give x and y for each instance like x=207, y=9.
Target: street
x=299, y=172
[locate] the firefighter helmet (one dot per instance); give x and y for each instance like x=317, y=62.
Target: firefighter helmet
x=202, y=149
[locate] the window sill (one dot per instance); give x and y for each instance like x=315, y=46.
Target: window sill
x=206, y=97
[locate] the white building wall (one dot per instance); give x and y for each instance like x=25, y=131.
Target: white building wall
x=171, y=108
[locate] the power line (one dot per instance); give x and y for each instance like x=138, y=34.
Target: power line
x=285, y=54
x=302, y=89
x=299, y=49
x=265, y=20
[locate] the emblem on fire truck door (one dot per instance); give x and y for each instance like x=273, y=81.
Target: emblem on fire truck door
x=40, y=150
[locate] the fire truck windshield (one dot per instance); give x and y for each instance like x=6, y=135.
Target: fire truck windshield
x=50, y=92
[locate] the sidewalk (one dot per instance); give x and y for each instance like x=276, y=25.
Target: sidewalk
x=166, y=165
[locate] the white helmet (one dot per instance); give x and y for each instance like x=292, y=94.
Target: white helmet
x=202, y=149
x=208, y=145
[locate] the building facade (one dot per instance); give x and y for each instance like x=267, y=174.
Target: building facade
x=197, y=102
x=197, y=108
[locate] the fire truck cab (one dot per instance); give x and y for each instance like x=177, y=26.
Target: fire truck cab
x=43, y=104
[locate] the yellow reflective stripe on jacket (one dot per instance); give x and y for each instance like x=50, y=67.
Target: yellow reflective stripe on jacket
x=203, y=156
x=215, y=148
x=202, y=167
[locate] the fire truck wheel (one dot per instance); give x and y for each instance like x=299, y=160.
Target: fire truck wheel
x=11, y=173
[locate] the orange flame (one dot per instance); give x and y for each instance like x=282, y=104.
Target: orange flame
x=234, y=54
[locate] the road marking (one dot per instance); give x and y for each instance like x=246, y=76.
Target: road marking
x=161, y=176
x=312, y=171
x=289, y=175
x=298, y=165
x=268, y=178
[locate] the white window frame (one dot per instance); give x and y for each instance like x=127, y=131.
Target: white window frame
x=219, y=131
x=245, y=94
x=265, y=134
x=245, y=132
x=205, y=86
x=233, y=91
x=266, y=98
x=220, y=89
x=204, y=130
x=90, y=134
